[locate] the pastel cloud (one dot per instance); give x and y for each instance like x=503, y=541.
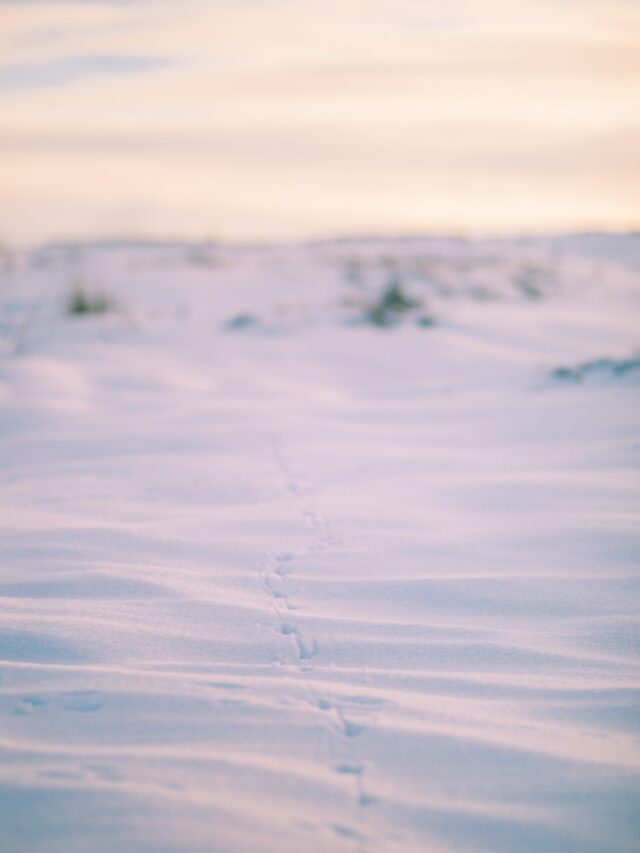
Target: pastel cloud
x=277, y=117
x=66, y=70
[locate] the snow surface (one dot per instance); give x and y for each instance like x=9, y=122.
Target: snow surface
x=274, y=578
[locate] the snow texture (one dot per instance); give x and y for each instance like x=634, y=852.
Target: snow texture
x=323, y=547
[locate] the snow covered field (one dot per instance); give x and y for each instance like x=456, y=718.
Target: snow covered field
x=323, y=547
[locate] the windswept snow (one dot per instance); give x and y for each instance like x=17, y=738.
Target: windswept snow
x=276, y=578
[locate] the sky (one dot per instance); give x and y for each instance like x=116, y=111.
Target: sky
x=275, y=119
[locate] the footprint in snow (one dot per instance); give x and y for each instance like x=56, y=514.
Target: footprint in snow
x=307, y=649
x=352, y=729
x=350, y=769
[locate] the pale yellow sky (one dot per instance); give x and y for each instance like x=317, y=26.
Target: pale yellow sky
x=248, y=119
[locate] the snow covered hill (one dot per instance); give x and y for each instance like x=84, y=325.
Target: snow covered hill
x=324, y=547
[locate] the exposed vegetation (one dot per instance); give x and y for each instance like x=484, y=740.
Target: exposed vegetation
x=80, y=303
x=599, y=366
x=241, y=321
x=425, y=321
x=391, y=306
x=531, y=281
x=203, y=258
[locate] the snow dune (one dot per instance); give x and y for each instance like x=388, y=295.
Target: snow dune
x=274, y=577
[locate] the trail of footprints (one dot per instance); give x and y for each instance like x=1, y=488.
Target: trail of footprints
x=349, y=716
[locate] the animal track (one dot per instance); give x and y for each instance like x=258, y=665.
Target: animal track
x=356, y=772
x=282, y=567
x=352, y=714
x=319, y=523
x=350, y=769
x=270, y=587
x=352, y=729
x=292, y=480
x=307, y=649
x=277, y=568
